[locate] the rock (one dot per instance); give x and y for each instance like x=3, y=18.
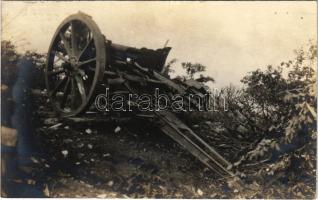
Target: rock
x=117, y=129
x=9, y=136
x=67, y=141
x=88, y=131
x=34, y=160
x=90, y=146
x=103, y=196
x=80, y=145
x=4, y=87
x=212, y=196
x=110, y=183
x=200, y=192
x=44, y=91
x=31, y=182
x=46, y=191
x=50, y=121
x=80, y=155
x=65, y=153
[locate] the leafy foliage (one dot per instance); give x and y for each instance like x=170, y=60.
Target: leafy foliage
x=280, y=112
x=9, y=60
x=194, y=69
x=272, y=121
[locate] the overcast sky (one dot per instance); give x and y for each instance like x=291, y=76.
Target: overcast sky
x=230, y=38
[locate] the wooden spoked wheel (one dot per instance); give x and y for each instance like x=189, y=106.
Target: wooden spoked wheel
x=75, y=64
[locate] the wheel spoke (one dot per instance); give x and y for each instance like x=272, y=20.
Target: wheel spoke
x=66, y=44
x=58, y=86
x=81, y=88
x=74, y=38
x=84, y=49
x=87, y=61
x=56, y=72
x=73, y=92
x=65, y=92
x=81, y=73
x=72, y=68
x=91, y=69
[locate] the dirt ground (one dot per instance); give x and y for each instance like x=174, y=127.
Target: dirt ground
x=114, y=160
x=123, y=160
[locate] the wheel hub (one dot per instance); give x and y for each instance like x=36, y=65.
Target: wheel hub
x=74, y=62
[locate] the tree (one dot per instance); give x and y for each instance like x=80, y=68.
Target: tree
x=9, y=60
x=194, y=69
x=279, y=99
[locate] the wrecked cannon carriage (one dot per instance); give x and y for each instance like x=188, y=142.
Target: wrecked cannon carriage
x=82, y=62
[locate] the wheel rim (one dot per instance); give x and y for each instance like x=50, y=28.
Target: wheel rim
x=75, y=64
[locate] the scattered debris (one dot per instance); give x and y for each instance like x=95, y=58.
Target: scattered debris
x=34, y=160
x=46, y=191
x=67, y=141
x=80, y=145
x=88, y=131
x=65, y=153
x=106, y=155
x=117, y=129
x=54, y=127
x=50, y=121
x=199, y=191
x=80, y=155
x=31, y=182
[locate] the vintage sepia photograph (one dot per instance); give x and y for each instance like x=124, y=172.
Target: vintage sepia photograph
x=159, y=99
